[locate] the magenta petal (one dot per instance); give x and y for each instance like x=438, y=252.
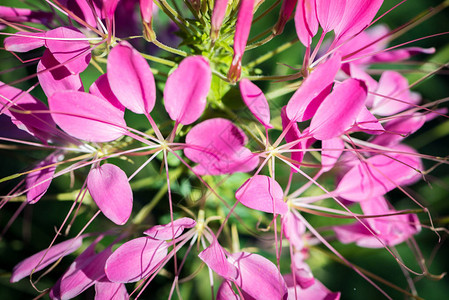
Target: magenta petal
x=218, y=146
x=84, y=272
x=262, y=193
x=331, y=152
x=398, y=129
x=218, y=15
x=105, y=290
x=41, y=125
x=110, y=189
x=255, y=100
x=357, y=16
x=225, y=292
x=306, y=21
x=339, y=110
x=308, y=94
x=258, y=277
x=131, y=79
x=317, y=291
x=215, y=258
x=56, y=79
x=293, y=230
x=394, y=85
x=367, y=122
x=74, y=54
x=14, y=14
x=330, y=13
x=86, y=116
x=135, y=260
x=186, y=90
x=24, y=41
x=25, y=267
x=379, y=174
x=165, y=232
x=102, y=89
x=38, y=182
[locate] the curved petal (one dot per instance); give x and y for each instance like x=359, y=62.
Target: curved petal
x=218, y=146
x=330, y=13
x=258, y=277
x=131, y=79
x=306, y=100
x=105, y=290
x=215, y=258
x=86, y=116
x=24, y=41
x=38, y=181
x=255, y=100
x=380, y=174
x=69, y=47
x=306, y=21
x=135, y=260
x=165, y=232
x=262, y=193
x=56, y=79
x=110, y=189
x=44, y=258
x=186, y=90
x=339, y=110
x=102, y=89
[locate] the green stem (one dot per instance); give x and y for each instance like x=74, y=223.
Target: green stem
x=260, y=43
x=169, y=49
x=172, y=14
x=158, y=60
x=270, y=54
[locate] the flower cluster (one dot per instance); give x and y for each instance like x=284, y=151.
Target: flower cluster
x=122, y=105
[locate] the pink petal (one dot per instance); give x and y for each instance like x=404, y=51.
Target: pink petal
x=306, y=21
x=39, y=181
x=258, y=277
x=255, y=100
x=109, y=7
x=401, y=54
x=105, y=290
x=262, y=193
x=218, y=15
x=68, y=47
x=339, y=110
x=398, y=129
x=84, y=272
x=357, y=16
x=242, y=29
x=14, y=14
x=225, y=292
x=331, y=152
x=135, y=260
x=193, y=78
x=330, y=13
x=24, y=41
x=102, y=89
x=393, y=84
x=110, y=189
x=131, y=79
x=215, y=258
x=25, y=267
x=284, y=15
x=315, y=292
x=367, y=122
x=379, y=175
x=293, y=230
x=218, y=146
x=41, y=125
x=56, y=79
x=306, y=100
x=165, y=232
x=82, y=9
x=86, y=116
